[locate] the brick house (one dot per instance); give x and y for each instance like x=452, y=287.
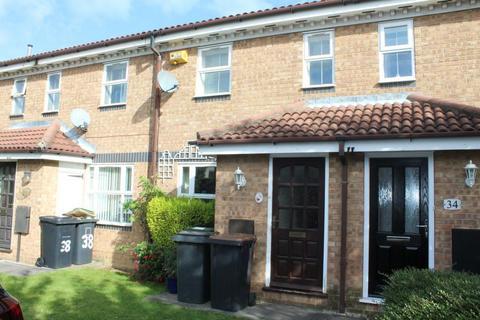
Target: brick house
x=324, y=126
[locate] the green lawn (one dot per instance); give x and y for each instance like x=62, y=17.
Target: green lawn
x=91, y=294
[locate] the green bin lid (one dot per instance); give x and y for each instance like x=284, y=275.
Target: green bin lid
x=58, y=220
x=233, y=239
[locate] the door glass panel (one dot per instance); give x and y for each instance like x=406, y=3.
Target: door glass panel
x=298, y=196
x=297, y=219
x=312, y=196
x=311, y=218
x=284, y=218
x=284, y=174
x=385, y=197
x=313, y=174
x=284, y=196
x=412, y=199
x=298, y=174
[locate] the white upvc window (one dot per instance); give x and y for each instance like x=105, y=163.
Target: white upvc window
x=397, y=58
x=18, y=96
x=115, y=83
x=318, y=61
x=197, y=180
x=110, y=186
x=52, y=93
x=214, y=71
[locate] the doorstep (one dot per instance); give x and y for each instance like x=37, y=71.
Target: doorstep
x=262, y=310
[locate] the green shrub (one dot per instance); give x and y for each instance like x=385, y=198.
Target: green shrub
x=149, y=259
x=166, y=216
x=424, y=294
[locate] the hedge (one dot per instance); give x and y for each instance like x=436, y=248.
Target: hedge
x=166, y=216
x=424, y=294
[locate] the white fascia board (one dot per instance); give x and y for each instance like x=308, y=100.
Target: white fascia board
x=45, y=156
x=17, y=66
x=388, y=145
x=288, y=18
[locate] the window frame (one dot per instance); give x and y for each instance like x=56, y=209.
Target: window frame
x=383, y=49
x=17, y=95
x=307, y=59
x=50, y=91
x=192, y=171
x=106, y=83
x=93, y=190
x=199, y=87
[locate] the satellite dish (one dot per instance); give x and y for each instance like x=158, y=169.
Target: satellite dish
x=167, y=81
x=80, y=118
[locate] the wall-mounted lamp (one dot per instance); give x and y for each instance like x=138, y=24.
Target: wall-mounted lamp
x=470, y=172
x=240, y=180
x=27, y=177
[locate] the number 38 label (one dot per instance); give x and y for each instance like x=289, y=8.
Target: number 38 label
x=452, y=204
x=65, y=246
x=87, y=241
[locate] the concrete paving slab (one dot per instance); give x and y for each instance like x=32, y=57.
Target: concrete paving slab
x=20, y=269
x=262, y=310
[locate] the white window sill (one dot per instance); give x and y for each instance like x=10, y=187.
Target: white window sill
x=320, y=86
x=112, y=105
x=371, y=300
x=115, y=224
x=223, y=94
x=17, y=115
x=50, y=112
x=393, y=80
x=198, y=196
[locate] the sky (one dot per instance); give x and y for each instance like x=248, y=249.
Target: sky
x=55, y=24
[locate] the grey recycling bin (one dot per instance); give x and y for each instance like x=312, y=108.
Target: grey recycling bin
x=193, y=265
x=83, y=241
x=231, y=259
x=57, y=241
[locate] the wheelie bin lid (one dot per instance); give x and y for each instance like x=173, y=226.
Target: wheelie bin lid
x=194, y=235
x=58, y=220
x=233, y=239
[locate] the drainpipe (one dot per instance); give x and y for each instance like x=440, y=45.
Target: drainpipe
x=155, y=117
x=343, y=235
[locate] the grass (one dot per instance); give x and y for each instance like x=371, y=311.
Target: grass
x=93, y=294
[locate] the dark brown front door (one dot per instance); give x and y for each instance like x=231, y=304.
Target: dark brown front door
x=398, y=217
x=7, y=188
x=297, y=226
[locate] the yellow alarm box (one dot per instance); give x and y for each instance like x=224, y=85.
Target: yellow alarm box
x=179, y=57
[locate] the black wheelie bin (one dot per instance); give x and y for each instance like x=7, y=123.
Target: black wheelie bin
x=57, y=241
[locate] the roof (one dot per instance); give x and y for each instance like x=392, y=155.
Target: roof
x=419, y=117
x=42, y=139
x=179, y=28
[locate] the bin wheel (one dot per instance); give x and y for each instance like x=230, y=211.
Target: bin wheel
x=40, y=262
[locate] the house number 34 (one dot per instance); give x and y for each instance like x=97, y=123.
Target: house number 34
x=452, y=204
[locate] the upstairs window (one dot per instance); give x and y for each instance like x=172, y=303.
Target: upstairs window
x=318, y=60
x=214, y=71
x=18, y=96
x=197, y=180
x=109, y=188
x=115, y=84
x=52, y=99
x=396, y=51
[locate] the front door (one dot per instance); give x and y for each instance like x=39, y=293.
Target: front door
x=7, y=189
x=297, y=225
x=398, y=217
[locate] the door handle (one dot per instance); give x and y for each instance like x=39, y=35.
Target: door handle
x=422, y=225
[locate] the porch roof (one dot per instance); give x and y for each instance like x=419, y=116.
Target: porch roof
x=44, y=138
x=418, y=117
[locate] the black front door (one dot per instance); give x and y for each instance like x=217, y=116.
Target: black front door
x=7, y=189
x=297, y=226
x=398, y=217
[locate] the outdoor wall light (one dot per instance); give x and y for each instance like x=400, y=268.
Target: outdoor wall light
x=27, y=177
x=470, y=172
x=240, y=180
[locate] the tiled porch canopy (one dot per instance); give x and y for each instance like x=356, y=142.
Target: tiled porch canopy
x=418, y=117
x=44, y=138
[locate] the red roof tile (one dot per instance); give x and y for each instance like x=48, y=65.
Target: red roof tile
x=178, y=28
x=42, y=139
x=419, y=117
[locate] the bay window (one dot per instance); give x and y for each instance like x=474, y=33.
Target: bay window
x=318, y=60
x=197, y=180
x=397, y=61
x=110, y=187
x=115, y=84
x=214, y=71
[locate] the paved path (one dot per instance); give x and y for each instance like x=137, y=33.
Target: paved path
x=262, y=310
x=20, y=269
